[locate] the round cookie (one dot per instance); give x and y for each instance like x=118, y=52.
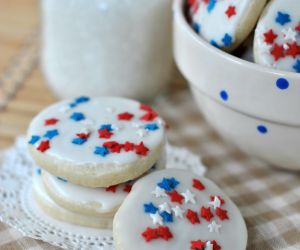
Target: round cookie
x=55, y=211
x=176, y=209
x=102, y=202
x=225, y=24
x=97, y=142
x=277, y=36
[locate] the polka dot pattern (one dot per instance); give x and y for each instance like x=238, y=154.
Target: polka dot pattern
x=282, y=83
x=224, y=95
x=262, y=129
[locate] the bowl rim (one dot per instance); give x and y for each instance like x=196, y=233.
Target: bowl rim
x=178, y=8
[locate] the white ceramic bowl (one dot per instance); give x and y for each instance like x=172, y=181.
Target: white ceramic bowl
x=254, y=107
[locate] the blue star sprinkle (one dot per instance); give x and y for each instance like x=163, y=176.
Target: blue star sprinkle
x=79, y=141
x=77, y=117
x=34, y=139
x=227, y=40
x=215, y=44
x=38, y=171
x=61, y=179
x=106, y=126
x=211, y=5
x=166, y=217
x=282, y=18
x=296, y=66
x=196, y=27
x=103, y=151
x=151, y=126
x=168, y=184
x=150, y=208
x=79, y=100
x=51, y=133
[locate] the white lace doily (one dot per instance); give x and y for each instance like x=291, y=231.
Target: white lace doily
x=19, y=210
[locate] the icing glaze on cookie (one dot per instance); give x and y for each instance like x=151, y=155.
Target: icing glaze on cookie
x=277, y=36
x=218, y=20
x=97, y=130
x=175, y=209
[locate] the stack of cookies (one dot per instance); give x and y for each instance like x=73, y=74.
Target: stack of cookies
x=90, y=151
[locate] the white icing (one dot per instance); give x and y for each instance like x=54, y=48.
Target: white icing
x=215, y=24
x=96, y=114
x=131, y=220
x=285, y=34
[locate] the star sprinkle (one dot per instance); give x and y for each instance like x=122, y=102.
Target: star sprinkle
x=150, y=234
x=167, y=217
x=206, y=213
x=164, y=208
x=128, y=146
x=212, y=198
x=175, y=196
x=215, y=245
x=142, y=133
x=151, y=126
x=227, y=40
x=264, y=47
x=79, y=100
x=214, y=227
x=178, y=212
x=293, y=50
x=156, y=219
x=215, y=203
x=83, y=135
x=156, y=233
x=192, y=216
x=44, y=146
x=209, y=246
x=164, y=233
x=289, y=34
x=277, y=52
x=34, y=139
x=103, y=151
x=51, y=134
x=159, y=192
x=109, y=127
x=51, y=121
x=189, y=197
x=198, y=184
x=77, y=116
x=113, y=146
x=168, y=184
x=222, y=214
x=79, y=141
x=141, y=149
x=197, y=245
x=297, y=28
x=146, y=108
x=111, y=189
x=230, y=11
x=282, y=18
x=150, y=208
x=126, y=116
x=211, y=5
x=296, y=66
x=270, y=36
x=149, y=116
x=105, y=133
x=127, y=188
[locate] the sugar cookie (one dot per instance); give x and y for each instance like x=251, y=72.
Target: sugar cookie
x=225, y=24
x=48, y=206
x=97, y=142
x=277, y=36
x=176, y=209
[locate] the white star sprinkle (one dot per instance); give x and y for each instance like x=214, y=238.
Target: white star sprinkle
x=285, y=46
x=159, y=192
x=110, y=110
x=264, y=47
x=215, y=203
x=161, y=122
x=87, y=122
x=85, y=130
x=189, y=197
x=178, y=212
x=289, y=34
x=142, y=133
x=209, y=246
x=64, y=109
x=164, y=207
x=137, y=125
x=214, y=227
x=156, y=219
x=117, y=127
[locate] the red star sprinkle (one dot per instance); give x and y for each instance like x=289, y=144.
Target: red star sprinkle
x=125, y=116
x=297, y=28
x=113, y=146
x=127, y=188
x=198, y=184
x=230, y=11
x=197, y=245
x=149, y=116
x=44, y=145
x=270, y=36
x=83, y=135
x=141, y=149
x=206, y=213
x=112, y=189
x=222, y=214
x=212, y=198
x=164, y=233
x=215, y=245
x=146, y=107
x=175, y=196
x=277, y=52
x=293, y=50
x=150, y=234
x=192, y=216
x=104, y=133
x=128, y=146
x=51, y=121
